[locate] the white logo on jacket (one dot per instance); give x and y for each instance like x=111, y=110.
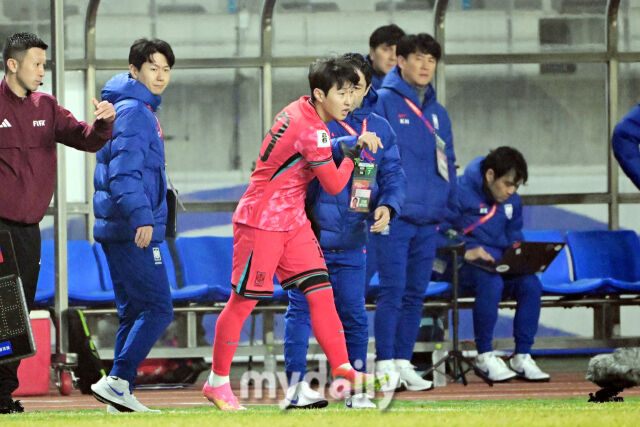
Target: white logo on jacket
x=508, y=210
x=5, y=124
x=436, y=123
x=38, y=123
x=156, y=255
x=323, y=139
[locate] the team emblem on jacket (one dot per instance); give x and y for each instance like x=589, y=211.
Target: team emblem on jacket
x=508, y=210
x=403, y=119
x=323, y=139
x=484, y=210
x=156, y=255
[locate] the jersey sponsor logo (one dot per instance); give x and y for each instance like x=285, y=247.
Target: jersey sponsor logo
x=38, y=123
x=5, y=348
x=260, y=275
x=157, y=258
x=508, y=210
x=5, y=124
x=323, y=139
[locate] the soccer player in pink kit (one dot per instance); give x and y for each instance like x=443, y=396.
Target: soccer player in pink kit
x=272, y=233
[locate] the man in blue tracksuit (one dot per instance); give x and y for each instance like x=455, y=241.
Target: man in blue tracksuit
x=382, y=52
x=406, y=252
x=488, y=212
x=131, y=214
x=342, y=238
x=625, y=141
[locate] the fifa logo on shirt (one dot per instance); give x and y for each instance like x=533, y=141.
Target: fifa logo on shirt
x=323, y=139
x=156, y=256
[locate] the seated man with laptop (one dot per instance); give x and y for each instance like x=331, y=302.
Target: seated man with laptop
x=489, y=217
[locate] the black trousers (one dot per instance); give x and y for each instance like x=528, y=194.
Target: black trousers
x=26, y=242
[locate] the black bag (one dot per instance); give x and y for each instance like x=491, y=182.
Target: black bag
x=172, y=213
x=90, y=368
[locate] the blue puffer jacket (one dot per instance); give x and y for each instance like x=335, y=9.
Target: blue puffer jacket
x=342, y=229
x=472, y=203
x=130, y=182
x=429, y=197
x=625, y=141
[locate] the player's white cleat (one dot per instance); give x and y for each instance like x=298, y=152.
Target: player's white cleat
x=301, y=396
x=527, y=369
x=114, y=391
x=359, y=401
x=493, y=367
x=388, y=368
x=409, y=378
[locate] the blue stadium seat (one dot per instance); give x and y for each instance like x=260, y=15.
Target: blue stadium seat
x=46, y=287
x=434, y=290
x=557, y=279
x=609, y=256
x=85, y=286
x=207, y=261
x=188, y=293
x=179, y=295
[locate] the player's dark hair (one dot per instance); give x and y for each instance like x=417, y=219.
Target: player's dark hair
x=361, y=64
x=324, y=73
x=142, y=49
x=504, y=159
x=17, y=45
x=418, y=43
x=387, y=34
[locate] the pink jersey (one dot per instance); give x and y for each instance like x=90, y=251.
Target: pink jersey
x=298, y=141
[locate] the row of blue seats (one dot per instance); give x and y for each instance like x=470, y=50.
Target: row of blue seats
x=592, y=263
x=205, y=263
x=596, y=262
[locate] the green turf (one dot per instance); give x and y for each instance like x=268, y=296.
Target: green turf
x=533, y=412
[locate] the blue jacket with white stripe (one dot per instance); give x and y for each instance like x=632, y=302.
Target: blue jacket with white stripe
x=429, y=197
x=130, y=181
x=342, y=229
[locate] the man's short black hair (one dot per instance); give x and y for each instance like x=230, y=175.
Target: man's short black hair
x=324, y=73
x=17, y=44
x=418, y=43
x=387, y=34
x=504, y=159
x=361, y=64
x=142, y=50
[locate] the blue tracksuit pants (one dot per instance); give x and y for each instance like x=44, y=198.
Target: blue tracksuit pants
x=405, y=259
x=489, y=289
x=347, y=275
x=143, y=300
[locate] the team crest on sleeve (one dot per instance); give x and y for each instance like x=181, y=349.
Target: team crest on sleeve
x=508, y=210
x=323, y=139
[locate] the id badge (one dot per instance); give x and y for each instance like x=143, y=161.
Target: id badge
x=441, y=158
x=364, y=175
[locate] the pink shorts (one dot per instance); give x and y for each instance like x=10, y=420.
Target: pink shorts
x=293, y=256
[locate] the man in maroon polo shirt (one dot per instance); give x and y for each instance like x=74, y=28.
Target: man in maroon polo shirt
x=30, y=124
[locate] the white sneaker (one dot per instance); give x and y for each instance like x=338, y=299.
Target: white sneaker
x=526, y=368
x=388, y=367
x=409, y=378
x=112, y=410
x=493, y=367
x=359, y=401
x=301, y=396
x=114, y=391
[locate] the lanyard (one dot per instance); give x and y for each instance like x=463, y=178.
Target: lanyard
x=352, y=131
x=418, y=113
x=482, y=220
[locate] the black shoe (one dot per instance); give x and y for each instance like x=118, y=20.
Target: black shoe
x=10, y=406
